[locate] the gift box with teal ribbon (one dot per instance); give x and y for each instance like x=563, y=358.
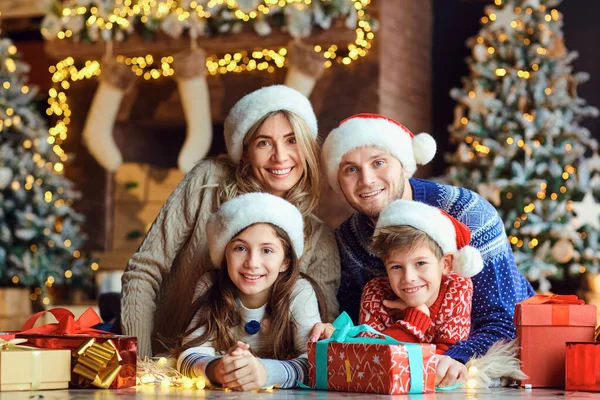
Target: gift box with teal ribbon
x=348, y=362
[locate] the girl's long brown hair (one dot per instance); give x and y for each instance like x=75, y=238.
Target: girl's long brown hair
x=216, y=311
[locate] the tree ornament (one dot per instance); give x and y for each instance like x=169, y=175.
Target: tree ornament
x=476, y=100
x=490, y=192
x=504, y=17
x=6, y=176
x=480, y=53
x=190, y=74
x=572, y=86
x=115, y=80
x=459, y=113
x=305, y=67
x=523, y=103
x=557, y=48
x=587, y=212
x=563, y=251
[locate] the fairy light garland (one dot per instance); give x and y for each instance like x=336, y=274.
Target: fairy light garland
x=64, y=73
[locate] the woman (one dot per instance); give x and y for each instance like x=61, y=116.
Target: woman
x=271, y=144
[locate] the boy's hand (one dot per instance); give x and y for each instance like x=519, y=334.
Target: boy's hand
x=395, y=307
x=449, y=372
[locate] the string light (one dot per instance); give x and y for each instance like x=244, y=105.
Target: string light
x=265, y=60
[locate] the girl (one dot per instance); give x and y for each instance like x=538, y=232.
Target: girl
x=252, y=317
x=271, y=145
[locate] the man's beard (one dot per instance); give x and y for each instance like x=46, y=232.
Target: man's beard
x=372, y=213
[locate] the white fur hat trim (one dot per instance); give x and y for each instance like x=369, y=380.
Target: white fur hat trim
x=252, y=107
x=467, y=260
x=248, y=209
x=375, y=130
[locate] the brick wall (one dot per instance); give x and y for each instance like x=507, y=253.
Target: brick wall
x=394, y=80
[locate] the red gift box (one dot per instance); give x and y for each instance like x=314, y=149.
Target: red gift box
x=372, y=368
x=68, y=334
x=544, y=325
x=582, y=364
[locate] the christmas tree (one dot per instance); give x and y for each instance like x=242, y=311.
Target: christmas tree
x=40, y=233
x=520, y=143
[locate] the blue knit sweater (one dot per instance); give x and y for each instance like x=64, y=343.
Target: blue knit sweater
x=496, y=289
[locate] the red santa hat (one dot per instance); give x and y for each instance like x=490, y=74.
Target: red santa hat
x=450, y=234
x=362, y=130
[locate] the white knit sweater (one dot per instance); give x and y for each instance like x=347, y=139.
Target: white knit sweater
x=161, y=277
x=304, y=313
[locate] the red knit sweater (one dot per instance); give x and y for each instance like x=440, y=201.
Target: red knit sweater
x=448, y=323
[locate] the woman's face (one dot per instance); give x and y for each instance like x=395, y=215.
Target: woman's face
x=275, y=156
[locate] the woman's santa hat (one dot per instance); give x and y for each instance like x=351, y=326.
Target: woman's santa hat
x=240, y=212
x=450, y=234
x=254, y=106
x=375, y=130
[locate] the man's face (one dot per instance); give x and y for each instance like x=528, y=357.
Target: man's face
x=371, y=178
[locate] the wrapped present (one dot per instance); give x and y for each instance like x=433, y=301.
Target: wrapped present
x=582, y=364
x=28, y=368
x=99, y=359
x=351, y=363
x=544, y=325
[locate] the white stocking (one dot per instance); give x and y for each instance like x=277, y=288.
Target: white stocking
x=190, y=72
x=305, y=67
x=115, y=80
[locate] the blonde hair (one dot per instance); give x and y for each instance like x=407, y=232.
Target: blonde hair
x=306, y=192
x=403, y=238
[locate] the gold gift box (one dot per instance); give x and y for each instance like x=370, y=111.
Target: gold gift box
x=21, y=368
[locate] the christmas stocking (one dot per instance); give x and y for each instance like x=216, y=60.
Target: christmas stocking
x=115, y=80
x=190, y=71
x=305, y=67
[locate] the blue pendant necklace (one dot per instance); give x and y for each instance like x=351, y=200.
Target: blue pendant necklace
x=252, y=327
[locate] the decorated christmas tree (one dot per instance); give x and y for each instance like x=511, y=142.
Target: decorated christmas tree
x=40, y=233
x=520, y=143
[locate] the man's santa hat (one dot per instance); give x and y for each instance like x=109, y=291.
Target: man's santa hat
x=362, y=130
x=450, y=234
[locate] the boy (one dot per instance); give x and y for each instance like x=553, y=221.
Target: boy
x=428, y=262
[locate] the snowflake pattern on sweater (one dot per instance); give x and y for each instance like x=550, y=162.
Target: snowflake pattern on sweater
x=449, y=320
x=497, y=289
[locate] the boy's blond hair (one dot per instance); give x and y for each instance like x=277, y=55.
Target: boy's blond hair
x=403, y=238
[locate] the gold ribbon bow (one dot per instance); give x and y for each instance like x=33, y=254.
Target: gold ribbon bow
x=97, y=364
x=36, y=362
x=13, y=344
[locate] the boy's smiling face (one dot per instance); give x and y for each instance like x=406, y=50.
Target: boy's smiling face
x=415, y=276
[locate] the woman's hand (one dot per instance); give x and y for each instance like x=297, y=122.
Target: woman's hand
x=240, y=369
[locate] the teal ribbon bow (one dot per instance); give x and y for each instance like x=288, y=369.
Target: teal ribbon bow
x=346, y=332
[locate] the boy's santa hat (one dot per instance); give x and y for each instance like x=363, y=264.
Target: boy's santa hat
x=450, y=234
x=375, y=130
x=254, y=106
x=240, y=212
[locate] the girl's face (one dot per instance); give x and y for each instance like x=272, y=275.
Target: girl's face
x=255, y=257
x=275, y=157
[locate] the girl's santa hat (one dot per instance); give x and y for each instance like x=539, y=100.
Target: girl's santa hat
x=254, y=106
x=451, y=235
x=375, y=130
x=240, y=212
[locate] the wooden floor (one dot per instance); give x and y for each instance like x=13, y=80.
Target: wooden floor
x=160, y=393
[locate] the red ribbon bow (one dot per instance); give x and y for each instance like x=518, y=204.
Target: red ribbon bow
x=66, y=324
x=553, y=299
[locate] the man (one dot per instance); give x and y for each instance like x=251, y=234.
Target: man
x=370, y=159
